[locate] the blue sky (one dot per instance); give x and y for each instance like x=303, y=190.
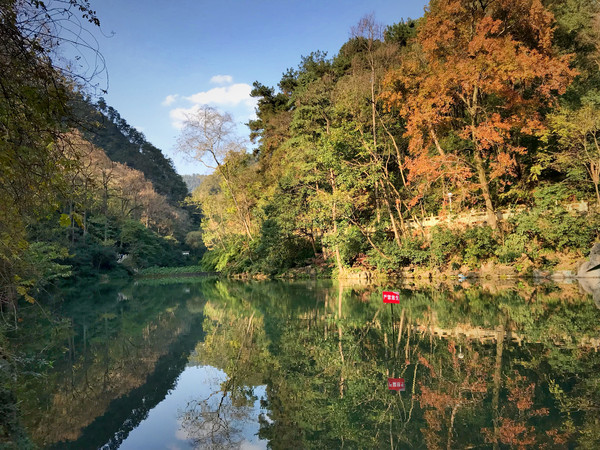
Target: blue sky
x=164, y=57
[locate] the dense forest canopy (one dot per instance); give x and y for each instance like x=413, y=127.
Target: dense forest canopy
x=477, y=106
x=103, y=126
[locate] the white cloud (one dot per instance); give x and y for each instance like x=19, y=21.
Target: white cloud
x=234, y=99
x=179, y=115
x=169, y=99
x=233, y=95
x=222, y=79
x=247, y=445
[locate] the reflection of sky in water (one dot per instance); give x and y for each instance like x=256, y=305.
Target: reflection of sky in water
x=162, y=429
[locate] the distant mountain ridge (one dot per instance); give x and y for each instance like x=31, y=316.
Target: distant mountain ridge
x=193, y=181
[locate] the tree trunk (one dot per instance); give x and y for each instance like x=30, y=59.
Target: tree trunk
x=500, y=333
x=340, y=335
x=391, y=213
x=237, y=207
x=336, y=247
x=485, y=189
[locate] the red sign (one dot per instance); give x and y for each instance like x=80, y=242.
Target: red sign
x=396, y=384
x=391, y=297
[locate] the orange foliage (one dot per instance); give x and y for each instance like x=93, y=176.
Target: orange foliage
x=426, y=363
x=515, y=430
x=483, y=75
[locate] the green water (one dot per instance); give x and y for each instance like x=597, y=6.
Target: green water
x=222, y=364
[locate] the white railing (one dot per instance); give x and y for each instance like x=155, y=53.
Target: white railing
x=479, y=217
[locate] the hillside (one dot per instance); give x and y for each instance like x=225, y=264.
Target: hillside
x=103, y=126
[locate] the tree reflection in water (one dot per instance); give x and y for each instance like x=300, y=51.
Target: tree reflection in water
x=215, y=422
x=484, y=366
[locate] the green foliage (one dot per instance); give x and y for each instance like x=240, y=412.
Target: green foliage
x=90, y=258
x=351, y=243
x=480, y=244
x=183, y=270
x=549, y=226
x=145, y=248
x=277, y=251
x=444, y=244
x=232, y=258
x=42, y=257
x=401, y=33
x=413, y=251
x=514, y=246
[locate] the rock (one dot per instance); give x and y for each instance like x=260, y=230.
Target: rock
x=537, y=274
x=590, y=281
x=594, y=261
x=592, y=287
x=562, y=275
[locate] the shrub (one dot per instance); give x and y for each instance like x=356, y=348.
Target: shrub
x=352, y=244
x=89, y=258
x=444, y=244
x=480, y=245
x=512, y=249
x=146, y=249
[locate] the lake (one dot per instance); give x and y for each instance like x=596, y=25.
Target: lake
x=207, y=363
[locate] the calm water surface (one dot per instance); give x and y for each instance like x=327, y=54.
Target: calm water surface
x=221, y=364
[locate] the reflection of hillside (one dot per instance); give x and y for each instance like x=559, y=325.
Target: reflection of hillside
x=125, y=413
x=107, y=371
x=107, y=360
x=479, y=364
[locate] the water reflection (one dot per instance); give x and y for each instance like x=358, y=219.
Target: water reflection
x=196, y=414
x=221, y=364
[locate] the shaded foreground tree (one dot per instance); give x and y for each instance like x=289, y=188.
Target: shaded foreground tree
x=33, y=113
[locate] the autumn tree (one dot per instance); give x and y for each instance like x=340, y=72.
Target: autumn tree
x=484, y=75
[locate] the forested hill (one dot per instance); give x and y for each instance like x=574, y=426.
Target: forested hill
x=477, y=106
x=103, y=126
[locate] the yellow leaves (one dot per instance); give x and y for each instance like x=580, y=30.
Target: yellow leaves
x=535, y=171
x=64, y=220
x=24, y=292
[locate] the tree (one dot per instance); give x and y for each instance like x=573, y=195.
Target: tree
x=579, y=133
x=485, y=73
x=104, y=127
x=208, y=136
x=33, y=113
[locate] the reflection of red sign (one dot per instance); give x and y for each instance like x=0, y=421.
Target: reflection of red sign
x=396, y=384
x=391, y=297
